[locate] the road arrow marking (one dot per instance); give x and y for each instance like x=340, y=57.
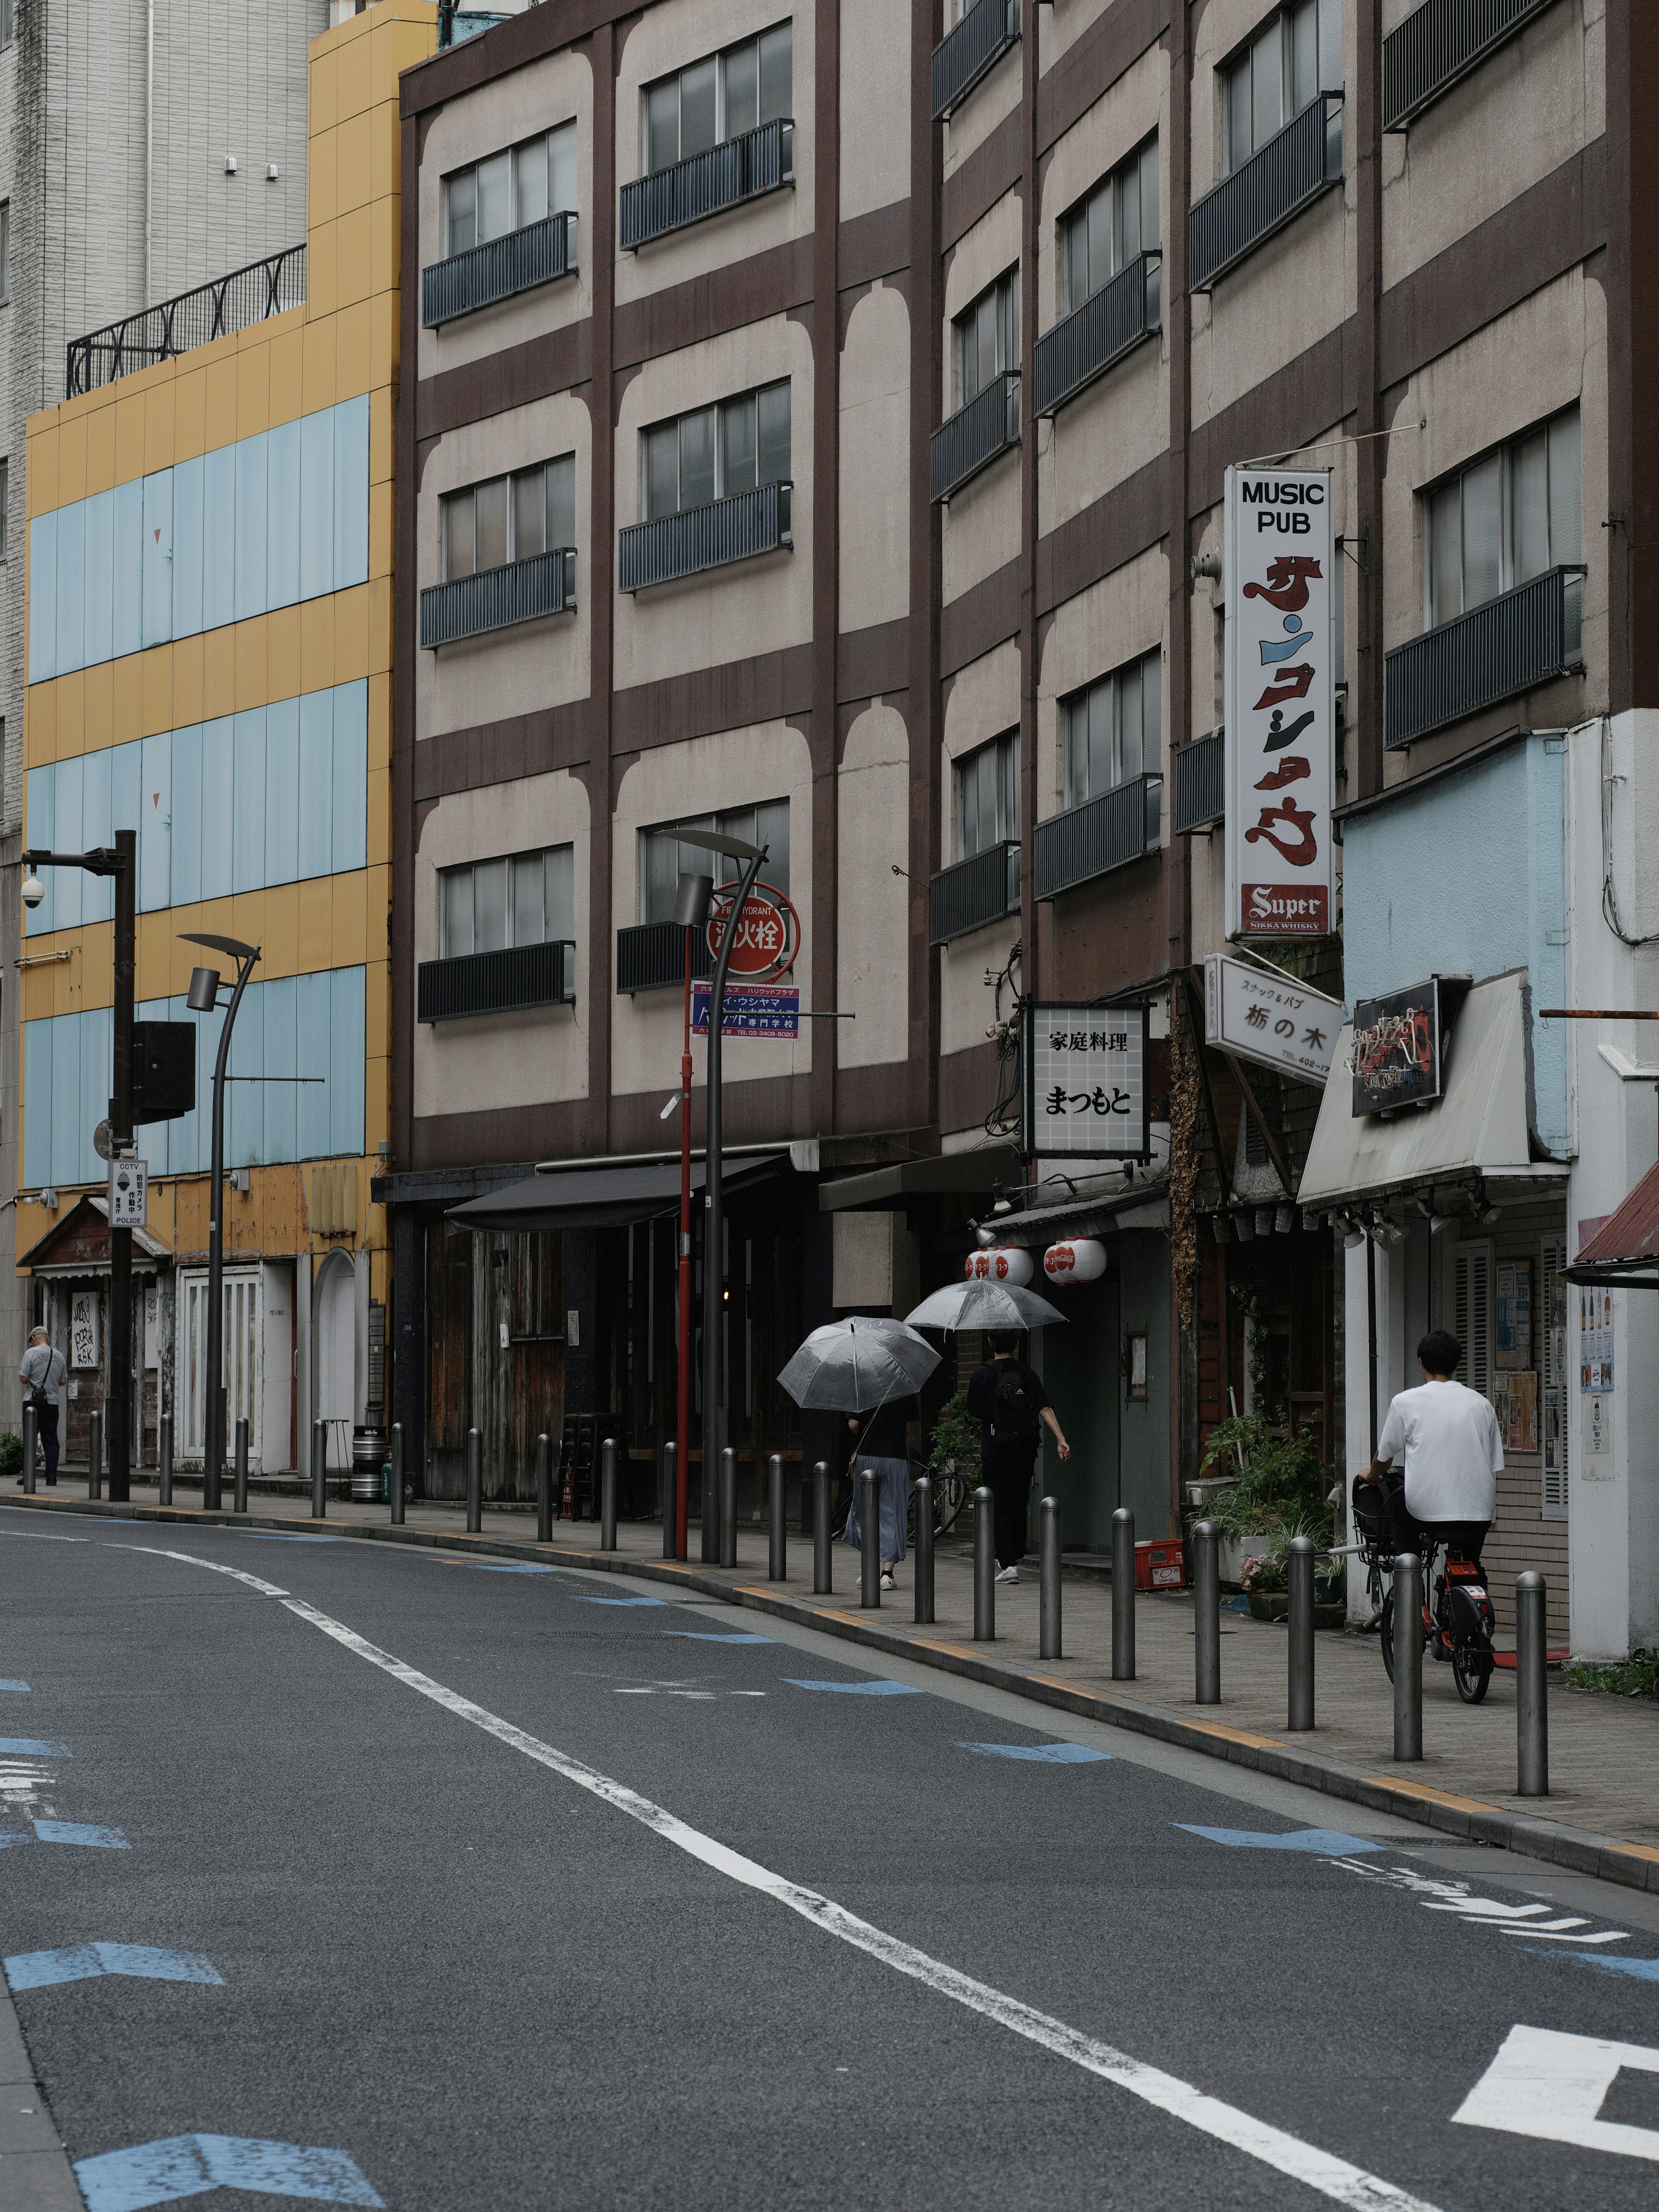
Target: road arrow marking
x=1551, y=2085
x=189, y=2166
x=84, y=1962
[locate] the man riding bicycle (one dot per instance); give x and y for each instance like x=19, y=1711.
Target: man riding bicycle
x=1449, y=1437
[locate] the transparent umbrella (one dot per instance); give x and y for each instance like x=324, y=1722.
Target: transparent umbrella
x=983, y=1305
x=851, y=1366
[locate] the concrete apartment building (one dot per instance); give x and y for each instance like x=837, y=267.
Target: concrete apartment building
x=1032, y=276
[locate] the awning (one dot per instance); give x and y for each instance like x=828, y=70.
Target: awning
x=1103, y=1212
x=1477, y=1131
x=79, y=1245
x=601, y=1197
x=964, y=1173
x=1624, y=1253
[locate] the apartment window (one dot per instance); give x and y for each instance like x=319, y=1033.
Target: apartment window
x=5, y=251
x=663, y=858
x=716, y=451
x=510, y=190
x=1114, y=729
x=5, y=502
x=987, y=796
x=1286, y=65
x=510, y=518
x=524, y=898
x=1105, y=231
x=1502, y=519
x=5, y=23
x=717, y=98
x=986, y=337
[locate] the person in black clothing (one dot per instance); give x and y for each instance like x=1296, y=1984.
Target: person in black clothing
x=882, y=1443
x=1011, y=1404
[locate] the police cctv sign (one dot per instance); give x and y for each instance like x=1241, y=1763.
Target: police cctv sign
x=1280, y=686
x=1086, y=1081
x=1269, y=1019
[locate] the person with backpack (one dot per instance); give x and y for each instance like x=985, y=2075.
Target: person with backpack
x=42, y=1376
x=1011, y=1406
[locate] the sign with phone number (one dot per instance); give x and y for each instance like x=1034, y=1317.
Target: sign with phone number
x=751, y=1010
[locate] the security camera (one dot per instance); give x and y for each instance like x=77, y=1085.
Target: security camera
x=33, y=891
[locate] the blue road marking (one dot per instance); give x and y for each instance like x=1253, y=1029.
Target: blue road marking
x=1639, y=1970
x=275, y=1537
x=27, y=1746
x=499, y=1567
x=859, y=1689
x=1329, y=1843
x=13, y=1836
x=84, y=1962
x=13, y=1685
x=708, y=1636
x=619, y=1601
x=188, y=2165
x=81, y=1831
x=1052, y=1754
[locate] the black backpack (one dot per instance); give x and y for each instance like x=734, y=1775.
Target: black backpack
x=1014, y=1420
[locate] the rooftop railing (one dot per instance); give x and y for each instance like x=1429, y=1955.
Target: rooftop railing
x=1094, y=336
x=971, y=49
x=1106, y=832
x=500, y=982
x=1266, y=192
x=736, y=528
x=537, y=254
x=212, y=311
x=981, y=889
x=724, y=176
x=972, y=438
x=1439, y=44
x=1524, y=637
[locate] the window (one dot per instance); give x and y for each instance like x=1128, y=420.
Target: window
x=1114, y=729
x=717, y=98
x=663, y=858
x=5, y=23
x=987, y=335
x=5, y=251
x=510, y=190
x=1506, y=518
x=5, y=502
x=716, y=452
x=525, y=898
x=510, y=518
x=1285, y=66
x=1105, y=231
x=987, y=796
x=1472, y=1316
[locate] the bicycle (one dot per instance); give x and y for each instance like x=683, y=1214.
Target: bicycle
x=1458, y=1618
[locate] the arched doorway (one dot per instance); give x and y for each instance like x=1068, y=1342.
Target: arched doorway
x=334, y=1350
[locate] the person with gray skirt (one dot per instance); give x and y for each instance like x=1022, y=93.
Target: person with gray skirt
x=883, y=1447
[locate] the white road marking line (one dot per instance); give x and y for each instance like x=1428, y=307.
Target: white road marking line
x=1550, y=2085
x=1480, y=1911
x=265, y=1590
x=41, y=1536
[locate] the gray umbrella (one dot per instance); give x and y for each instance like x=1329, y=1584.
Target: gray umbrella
x=983, y=1305
x=851, y=1366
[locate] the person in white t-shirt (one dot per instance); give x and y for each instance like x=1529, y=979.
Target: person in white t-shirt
x=1448, y=1436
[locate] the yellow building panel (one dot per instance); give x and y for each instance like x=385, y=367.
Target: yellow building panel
x=379, y=721
x=385, y=248
x=379, y=625
x=384, y=147
x=386, y=337
x=319, y=385
x=321, y=290
x=377, y=1011
x=402, y=42
x=129, y=434
x=379, y=840
x=153, y=693
x=322, y=204
x=353, y=363
x=157, y=934
x=189, y=412
x=351, y=163
x=351, y=633
x=37, y=1000
x=376, y=1116
x=158, y=424
x=317, y=645
x=40, y=475
x=354, y=84
x=348, y=942
x=382, y=435
x=254, y=386
x=219, y=422
x=379, y=529
x=287, y=351
x=351, y=258
x=40, y=723
x=252, y=676
x=158, y=691
x=96, y=966
x=282, y=655
x=313, y=941
x=218, y=673
x=71, y=714
x=187, y=682
x=101, y=450
x=323, y=76
x=98, y=725
x=72, y=461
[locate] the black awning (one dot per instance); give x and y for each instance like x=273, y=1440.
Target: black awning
x=602, y=1197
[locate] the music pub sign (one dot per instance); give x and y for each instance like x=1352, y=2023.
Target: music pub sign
x=1279, y=687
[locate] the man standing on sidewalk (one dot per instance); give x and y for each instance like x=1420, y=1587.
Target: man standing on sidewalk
x=42, y=1375
x=1010, y=1403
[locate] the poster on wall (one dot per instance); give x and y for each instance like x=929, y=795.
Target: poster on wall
x=83, y=1328
x=1595, y=1338
x=1281, y=701
x=1513, y=1347
x=1515, y=1396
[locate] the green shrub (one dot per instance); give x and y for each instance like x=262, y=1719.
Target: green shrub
x=1635, y=1677
x=11, y=1454
x=954, y=1442
x=1282, y=1490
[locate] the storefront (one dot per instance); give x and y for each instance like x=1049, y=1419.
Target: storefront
x=69, y=1298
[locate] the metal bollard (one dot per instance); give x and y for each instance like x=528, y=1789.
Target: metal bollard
x=474, y=1482
x=1207, y=1614
x=1300, y=1711
x=164, y=1459
x=1123, y=1595
x=671, y=1501
x=238, y=1493
x=823, y=1569
x=1408, y=1657
x=319, y=1470
x=924, y=1494
x=728, y=1507
x=1048, y=1577
x=95, y=1454
x=31, y=1428
x=1532, y=1736
x=869, y=1538
x=985, y=1565
x=608, y=1495
x=396, y=1479
x=777, y=1549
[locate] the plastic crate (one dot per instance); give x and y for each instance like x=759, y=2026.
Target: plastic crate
x=1161, y=1564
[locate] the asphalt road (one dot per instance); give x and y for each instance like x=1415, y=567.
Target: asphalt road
x=528, y=1889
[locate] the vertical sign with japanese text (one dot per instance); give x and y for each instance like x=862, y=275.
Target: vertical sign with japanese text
x=1279, y=685
x=1085, y=1081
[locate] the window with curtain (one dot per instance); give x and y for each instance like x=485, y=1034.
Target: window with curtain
x=511, y=189
x=1289, y=61
x=663, y=859
x=988, y=795
x=717, y=98
x=509, y=518
x=986, y=337
x=1114, y=729
x=522, y=898
x=714, y=452
x=1109, y=227
x=1504, y=519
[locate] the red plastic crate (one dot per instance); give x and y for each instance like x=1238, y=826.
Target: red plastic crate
x=1161, y=1564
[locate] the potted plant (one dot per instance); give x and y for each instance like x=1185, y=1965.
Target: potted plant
x=1263, y=1581
x=1281, y=1488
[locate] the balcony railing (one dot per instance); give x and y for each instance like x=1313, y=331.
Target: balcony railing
x=1096, y=334
x=651, y=956
x=1201, y=783
x=495, y=598
x=457, y=23
x=535, y=255
x=496, y=982
x=973, y=437
x=706, y=184
x=1102, y=834
x=1274, y=185
x=212, y=311
x=1440, y=42
x=976, y=45
x=1525, y=637
x=974, y=891
x=726, y=529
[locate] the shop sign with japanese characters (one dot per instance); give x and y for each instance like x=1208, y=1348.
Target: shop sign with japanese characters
x=1264, y=1018
x=1396, y=1048
x=751, y=1010
x=1085, y=1081
x=1280, y=701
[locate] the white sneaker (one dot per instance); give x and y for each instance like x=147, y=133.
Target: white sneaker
x=887, y=1581
x=1009, y=1575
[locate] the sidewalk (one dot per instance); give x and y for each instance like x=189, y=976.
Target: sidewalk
x=1601, y=1817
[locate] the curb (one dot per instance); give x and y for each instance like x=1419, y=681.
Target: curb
x=1634, y=1866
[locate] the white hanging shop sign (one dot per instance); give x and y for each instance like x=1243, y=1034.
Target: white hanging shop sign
x=1268, y=1019
x=1077, y=1260
x=1001, y=1263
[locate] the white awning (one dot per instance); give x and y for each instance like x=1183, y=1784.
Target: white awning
x=1478, y=1127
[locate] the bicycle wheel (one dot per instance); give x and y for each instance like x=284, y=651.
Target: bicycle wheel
x=1472, y=1672
x=949, y=1496
x=1387, y=1632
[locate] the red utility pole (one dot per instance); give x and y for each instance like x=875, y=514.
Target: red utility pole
x=683, y=1425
